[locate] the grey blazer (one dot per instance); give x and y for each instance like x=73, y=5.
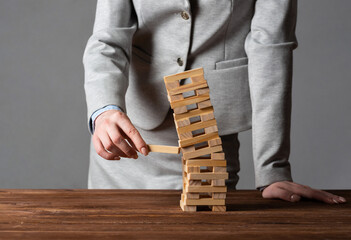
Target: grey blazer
x=244, y=46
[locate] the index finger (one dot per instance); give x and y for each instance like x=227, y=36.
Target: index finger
x=133, y=134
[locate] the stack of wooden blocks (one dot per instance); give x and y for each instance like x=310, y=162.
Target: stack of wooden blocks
x=203, y=160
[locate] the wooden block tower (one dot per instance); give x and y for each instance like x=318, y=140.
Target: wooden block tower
x=203, y=161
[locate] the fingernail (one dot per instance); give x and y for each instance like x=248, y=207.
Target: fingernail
x=342, y=199
x=334, y=200
x=144, y=151
x=294, y=198
x=116, y=158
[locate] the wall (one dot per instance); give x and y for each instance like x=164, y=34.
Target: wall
x=44, y=141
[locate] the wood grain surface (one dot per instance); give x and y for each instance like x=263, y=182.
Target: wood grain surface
x=155, y=214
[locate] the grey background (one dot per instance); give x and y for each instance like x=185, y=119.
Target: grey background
x=44, y=140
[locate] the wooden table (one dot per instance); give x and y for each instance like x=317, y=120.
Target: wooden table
x=155, y=214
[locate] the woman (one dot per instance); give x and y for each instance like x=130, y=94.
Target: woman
x=245, y=48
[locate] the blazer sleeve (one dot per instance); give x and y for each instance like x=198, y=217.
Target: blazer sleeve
x=269, y=46
x=107, y=53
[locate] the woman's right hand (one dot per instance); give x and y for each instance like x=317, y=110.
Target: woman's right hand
x=113, y=132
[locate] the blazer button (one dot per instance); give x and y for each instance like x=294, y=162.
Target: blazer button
x=180, y=62
x=185, y=15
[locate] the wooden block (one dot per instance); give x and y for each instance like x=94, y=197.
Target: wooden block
x=190, y=100
x=187, y=208
x=213, y=137
x=218, y=155
x=207, y=175
x=204, y=104
x=207, y=116
x=202, y=91
x=194, y=182
x=201, y=152
x=164, y=149
x=192, y=195
x=187, y=88
x=172, y=85
x=208, y=188
x=180, y=110
x=193, y=113
x=211, y=129
x=188, y=149
x=197, y=126
x=218, y=208
x=219, y=169
x=175, y=97
x=182, y=123
x=206, y=162
x=187, y=135
x=204, y=201
x=182, y=75
x=214, y=142
x=219, y=195
x=218, y=182
x=198, y=78
x=192, y=169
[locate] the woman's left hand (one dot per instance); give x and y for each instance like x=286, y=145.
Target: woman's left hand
x=293, y=192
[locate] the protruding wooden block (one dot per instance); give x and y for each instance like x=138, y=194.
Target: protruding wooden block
x=164, y=149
